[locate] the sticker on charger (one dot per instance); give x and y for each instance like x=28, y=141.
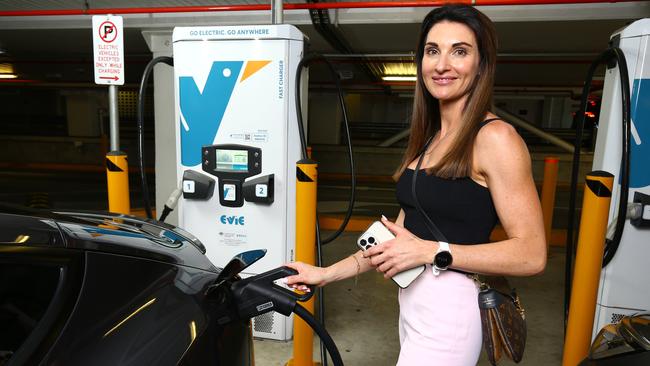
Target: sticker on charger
x=260, y=136
x=265, y=306
x=232, y=238
x=229, y=193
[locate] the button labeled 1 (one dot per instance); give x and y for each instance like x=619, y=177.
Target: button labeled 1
x=188, y=186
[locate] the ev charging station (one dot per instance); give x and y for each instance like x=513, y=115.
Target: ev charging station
x=623, y=282
x=237, y=144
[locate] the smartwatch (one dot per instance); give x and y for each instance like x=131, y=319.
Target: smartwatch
x=442, y=259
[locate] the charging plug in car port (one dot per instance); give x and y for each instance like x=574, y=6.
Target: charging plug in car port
x=237, y=299
x=260, y=294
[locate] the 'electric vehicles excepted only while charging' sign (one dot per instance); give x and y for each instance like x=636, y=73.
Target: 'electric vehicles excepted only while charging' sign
x=108, y=47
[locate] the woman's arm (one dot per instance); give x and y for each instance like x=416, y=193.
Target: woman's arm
x=503, y=161
x=321, y=276
x=345, y=268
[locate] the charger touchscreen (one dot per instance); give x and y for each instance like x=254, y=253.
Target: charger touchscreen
x=232, y=160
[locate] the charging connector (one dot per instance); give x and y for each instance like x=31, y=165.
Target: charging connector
x=171, y=204
x=260, y=294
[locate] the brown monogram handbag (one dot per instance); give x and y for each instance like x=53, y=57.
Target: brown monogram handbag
x=503, y=321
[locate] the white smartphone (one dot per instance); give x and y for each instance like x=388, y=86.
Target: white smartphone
x=378, y=233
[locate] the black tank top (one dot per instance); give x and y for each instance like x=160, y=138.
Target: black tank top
x=461, y=208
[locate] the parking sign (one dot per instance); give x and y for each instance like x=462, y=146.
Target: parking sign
x=108, y=47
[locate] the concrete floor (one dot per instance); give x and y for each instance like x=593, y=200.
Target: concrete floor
x=362, y=317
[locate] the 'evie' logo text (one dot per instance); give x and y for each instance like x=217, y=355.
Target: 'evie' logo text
x=232, y=220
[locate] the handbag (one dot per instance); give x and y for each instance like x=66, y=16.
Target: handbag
x=503, y=319
x=503, y=323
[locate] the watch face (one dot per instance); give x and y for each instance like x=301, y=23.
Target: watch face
x=443, y=260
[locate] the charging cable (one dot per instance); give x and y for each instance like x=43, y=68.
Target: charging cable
x=141, y=98
x=337, y=81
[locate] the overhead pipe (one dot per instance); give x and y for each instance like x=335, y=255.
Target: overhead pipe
x=515, y=120
x=519, y=122
x=305, y=6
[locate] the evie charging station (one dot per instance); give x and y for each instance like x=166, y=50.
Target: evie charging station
x=238, y=143
x=623, y=290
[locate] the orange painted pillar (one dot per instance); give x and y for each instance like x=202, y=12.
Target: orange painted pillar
x=589, y=259
x=549, y=185
x=306, y=181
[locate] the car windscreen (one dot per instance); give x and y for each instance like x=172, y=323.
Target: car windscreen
x=26, y=291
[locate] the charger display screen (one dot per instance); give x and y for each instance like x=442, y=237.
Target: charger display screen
x=232, y=160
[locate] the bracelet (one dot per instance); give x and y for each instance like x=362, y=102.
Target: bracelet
x=356, y=276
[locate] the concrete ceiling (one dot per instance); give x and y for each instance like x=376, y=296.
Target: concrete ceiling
x=540, y=45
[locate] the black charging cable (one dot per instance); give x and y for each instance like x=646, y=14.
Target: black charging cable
x=304, y=63
x=322, y=334
x=611, y=246
x=141, y=98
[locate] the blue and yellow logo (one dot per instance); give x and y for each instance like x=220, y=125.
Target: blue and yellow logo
x=640, y=142
x=201, y=113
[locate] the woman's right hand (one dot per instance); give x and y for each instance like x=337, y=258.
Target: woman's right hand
x=307, y=275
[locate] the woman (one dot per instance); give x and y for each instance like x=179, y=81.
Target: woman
x=476, y=169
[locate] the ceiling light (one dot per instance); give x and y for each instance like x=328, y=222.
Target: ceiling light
x=399, y=78
x=399, y=71
x=399, y=68
x=7, y=71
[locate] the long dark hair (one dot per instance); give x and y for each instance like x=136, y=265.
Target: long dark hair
x=425, y=121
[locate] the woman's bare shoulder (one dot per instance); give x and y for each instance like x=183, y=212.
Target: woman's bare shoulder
x=498, y=142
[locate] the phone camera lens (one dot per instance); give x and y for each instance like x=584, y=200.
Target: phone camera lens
x=362, y=242
x=371, y=240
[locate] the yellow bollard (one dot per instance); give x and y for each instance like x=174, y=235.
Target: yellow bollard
x=306, y=180
x=549, y=184
x=117, y=175
x=589, y=258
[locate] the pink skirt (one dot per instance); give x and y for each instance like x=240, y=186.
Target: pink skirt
x=439, y=321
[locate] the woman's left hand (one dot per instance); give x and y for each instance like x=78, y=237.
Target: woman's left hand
x=404, y=252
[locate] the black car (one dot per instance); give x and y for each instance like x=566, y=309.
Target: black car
x=101, y=289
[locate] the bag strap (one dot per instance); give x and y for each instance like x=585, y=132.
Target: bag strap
x=437, y=234
x=431, y=226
